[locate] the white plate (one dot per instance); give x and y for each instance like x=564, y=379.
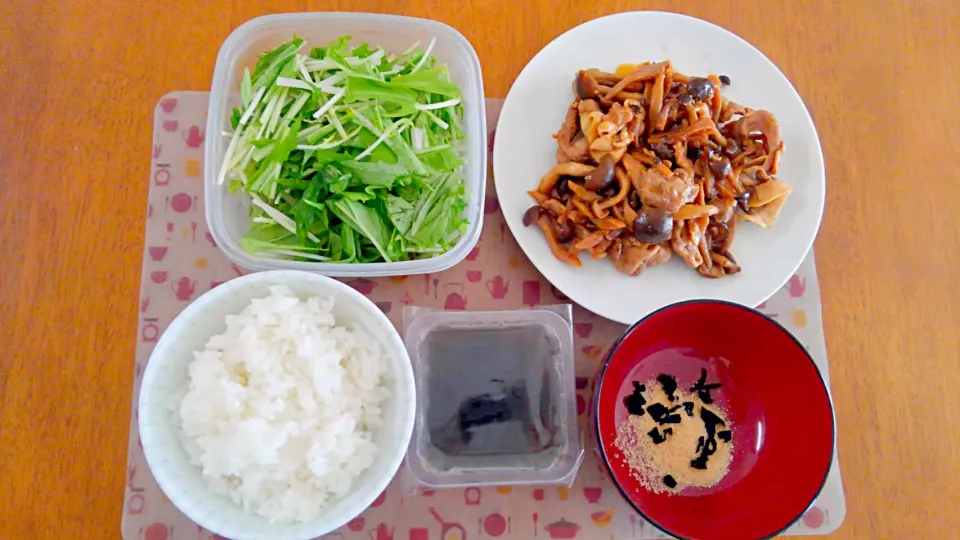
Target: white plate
x=524, y=150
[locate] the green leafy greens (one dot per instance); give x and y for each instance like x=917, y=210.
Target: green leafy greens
x=348, y=154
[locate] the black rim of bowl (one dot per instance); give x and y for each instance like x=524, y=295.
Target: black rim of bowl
x=596, y=412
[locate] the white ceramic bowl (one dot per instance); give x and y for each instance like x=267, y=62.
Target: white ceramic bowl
x=228, y=214
x=166, y=375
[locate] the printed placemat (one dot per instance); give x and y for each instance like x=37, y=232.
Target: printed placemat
x=181, y=262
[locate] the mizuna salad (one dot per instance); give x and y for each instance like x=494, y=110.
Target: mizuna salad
x=348, y=154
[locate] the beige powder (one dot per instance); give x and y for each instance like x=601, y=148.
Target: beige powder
x=650, y=462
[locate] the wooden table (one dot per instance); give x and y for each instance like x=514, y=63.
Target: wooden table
x=80, y=83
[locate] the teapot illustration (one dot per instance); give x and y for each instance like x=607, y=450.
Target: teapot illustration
x=183, y=288
x=455, y=297
x=498, y=287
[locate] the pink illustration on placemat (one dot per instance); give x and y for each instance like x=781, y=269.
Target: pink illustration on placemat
x=593, y=494
x=499, y=287
x=761, y=305
x=144, y=304
x=407, y=300
x=158, y=276
x=603, y=518
x=474, y=276
x=362, y=285
x=382, y=532
x=157, y=253
x=193, y=136
x=495, y=524
x=210, y=239
x=583, y=330
x=181, y=202
x=236, y=269
x=381, y=498
x=150, y=331
x=593, y=352
x=356, y=524
x=162, y=176
x=474, y=253
x=796, y=286
x=490, y=205
x=170, y=125
x=531, y=292
x=447, y=527
x=131, y=474
x=384, y=306
x=562, y=529
x=814, y=518
x=538, y=494
x=157, y=148
x=184, y=288
x=536, y=527
x=156, y=531
x=168, y=104
x=419, y=533
x=581, y=405
x=215, y=284
x=136, y=504
x=456, y=298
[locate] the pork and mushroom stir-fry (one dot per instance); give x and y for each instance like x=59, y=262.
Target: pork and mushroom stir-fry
x=651, y=162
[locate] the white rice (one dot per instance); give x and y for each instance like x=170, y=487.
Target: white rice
x=281, y=407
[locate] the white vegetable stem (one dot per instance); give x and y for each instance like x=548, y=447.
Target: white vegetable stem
x=426, y=54
x=326, y=106
x=433, y=106
x=293, y=83
x=418, y=137
x=278, y=216
x=253, y=105
x=437, y=120
x=397, y=127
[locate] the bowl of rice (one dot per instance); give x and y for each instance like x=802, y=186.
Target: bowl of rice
x=277, y=405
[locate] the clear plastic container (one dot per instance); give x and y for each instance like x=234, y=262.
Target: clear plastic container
x=228, y=213
x=496, y=398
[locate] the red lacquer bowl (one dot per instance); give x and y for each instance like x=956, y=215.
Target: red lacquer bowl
x=776, y=402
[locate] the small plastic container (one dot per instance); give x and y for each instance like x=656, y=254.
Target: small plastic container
x=228, y=213
x=495, y=398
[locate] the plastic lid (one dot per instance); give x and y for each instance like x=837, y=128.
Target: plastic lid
x=495, y=397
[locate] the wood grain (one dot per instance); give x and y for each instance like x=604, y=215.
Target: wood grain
x=81, y=80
